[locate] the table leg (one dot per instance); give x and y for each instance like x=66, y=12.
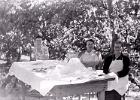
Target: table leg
x=101, y=95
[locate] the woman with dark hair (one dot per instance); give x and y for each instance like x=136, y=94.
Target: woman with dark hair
x=89, y=57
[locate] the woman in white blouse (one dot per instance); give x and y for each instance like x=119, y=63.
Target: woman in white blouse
x=89, y=57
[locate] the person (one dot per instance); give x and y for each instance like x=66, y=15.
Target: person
x=117, y=63
x=88, y=57
x=80, y=62
x=41, y=50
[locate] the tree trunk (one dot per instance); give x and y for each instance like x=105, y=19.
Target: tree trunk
x=114, y=39
x=114, y=36
x=18, y=57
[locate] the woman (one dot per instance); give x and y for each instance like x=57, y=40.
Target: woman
x=41, y=50
x=118, y=64
x=85, y=62
x=88, y=57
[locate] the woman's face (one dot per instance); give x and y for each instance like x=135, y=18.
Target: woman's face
x=117, y=48
x=38, y=41
x=89, y=45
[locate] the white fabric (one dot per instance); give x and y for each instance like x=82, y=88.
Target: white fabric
x=24, y=72
x=116, y=66
x=57, y=73
x=90, y=58
x=119, y=84
x=70, y=55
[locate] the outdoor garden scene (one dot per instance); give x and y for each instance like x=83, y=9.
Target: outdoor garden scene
x=53, y=33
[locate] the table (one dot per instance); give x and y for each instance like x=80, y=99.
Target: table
x=96, y=85
x=24, y=72
x=38, y=81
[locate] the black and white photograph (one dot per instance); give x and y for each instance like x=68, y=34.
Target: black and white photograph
x=69, y=49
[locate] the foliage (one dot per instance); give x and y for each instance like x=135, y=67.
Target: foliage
x=67, y=24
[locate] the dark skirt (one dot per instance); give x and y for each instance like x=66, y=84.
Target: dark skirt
x=113, y=95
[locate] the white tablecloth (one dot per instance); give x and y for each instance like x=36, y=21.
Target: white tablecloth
x=44, y=75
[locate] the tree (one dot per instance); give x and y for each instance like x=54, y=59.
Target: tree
x=5, y=24
x=66, y=24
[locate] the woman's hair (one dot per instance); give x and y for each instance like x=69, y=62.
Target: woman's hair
x=91, y=40
x=38, y=36
x=85, y=43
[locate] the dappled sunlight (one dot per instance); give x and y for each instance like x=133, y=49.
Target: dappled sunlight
x=65, y=25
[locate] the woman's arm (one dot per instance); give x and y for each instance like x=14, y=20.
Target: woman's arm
x=107, y=63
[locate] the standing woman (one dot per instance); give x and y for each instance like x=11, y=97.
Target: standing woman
x=119, y=64
x=89, y=57
x=41, y=50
